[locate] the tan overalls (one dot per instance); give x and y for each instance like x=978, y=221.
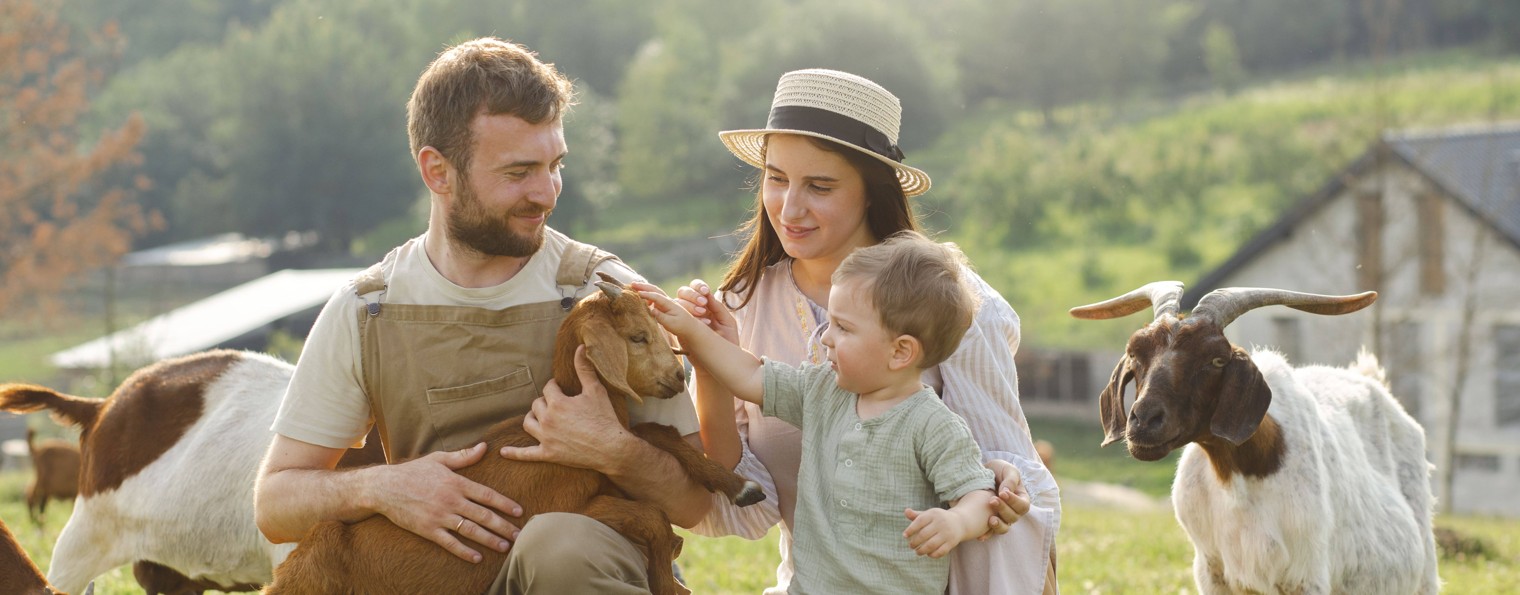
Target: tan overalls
x=438, y=377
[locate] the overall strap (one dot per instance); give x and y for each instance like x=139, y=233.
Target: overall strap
x=577, y=264
x=373, y=280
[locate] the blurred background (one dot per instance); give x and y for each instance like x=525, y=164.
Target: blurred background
x=176, y=176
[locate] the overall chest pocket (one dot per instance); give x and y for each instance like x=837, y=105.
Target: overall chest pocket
x=462, y=414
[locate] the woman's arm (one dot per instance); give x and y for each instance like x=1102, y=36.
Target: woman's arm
x=715, y=413
x=725, y=518
x=980, y=383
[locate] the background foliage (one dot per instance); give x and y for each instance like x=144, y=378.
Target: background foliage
x=1078, y=147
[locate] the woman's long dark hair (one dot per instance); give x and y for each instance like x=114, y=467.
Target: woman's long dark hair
x=887, y=212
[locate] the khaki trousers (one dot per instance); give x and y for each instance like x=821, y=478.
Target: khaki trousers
x=562, y=553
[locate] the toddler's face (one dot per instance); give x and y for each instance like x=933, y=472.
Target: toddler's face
x=860, y=348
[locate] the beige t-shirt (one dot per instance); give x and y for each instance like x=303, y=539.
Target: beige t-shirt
x=325, y=403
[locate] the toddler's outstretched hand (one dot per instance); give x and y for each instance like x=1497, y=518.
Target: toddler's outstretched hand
x=671, y=316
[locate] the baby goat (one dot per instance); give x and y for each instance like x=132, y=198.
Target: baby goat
x=626, y=346
x=55, y=468
x=1293, y=480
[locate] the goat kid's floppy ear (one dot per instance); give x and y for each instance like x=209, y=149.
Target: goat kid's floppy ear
x=605, y=349
x=1243, y=400
x=1111, y=402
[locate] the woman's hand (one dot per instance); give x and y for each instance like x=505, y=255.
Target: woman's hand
x=696, y=297
x=1012, y=500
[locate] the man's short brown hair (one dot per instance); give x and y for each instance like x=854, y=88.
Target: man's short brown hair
x=486, y=75
x=918, y=288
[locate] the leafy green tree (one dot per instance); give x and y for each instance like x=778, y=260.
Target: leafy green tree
x=153, y=29
x=1223, y=58
x=667, y=119
x=1051, y=53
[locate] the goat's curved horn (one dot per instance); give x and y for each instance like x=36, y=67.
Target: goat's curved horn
x=1224, y=305
x=612, y=290
x=1160, y=295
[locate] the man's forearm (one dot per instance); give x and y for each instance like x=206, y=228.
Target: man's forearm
x=288, y=503
x=647, y=474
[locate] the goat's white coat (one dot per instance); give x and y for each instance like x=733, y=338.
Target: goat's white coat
x=192, y=509
x=1349, y=511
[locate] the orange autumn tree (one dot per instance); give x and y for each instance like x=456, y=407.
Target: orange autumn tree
x=66, y=202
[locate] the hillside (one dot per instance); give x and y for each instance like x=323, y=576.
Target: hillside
x=1109, y=200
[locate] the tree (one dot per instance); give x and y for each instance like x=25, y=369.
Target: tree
x=1223, y=58
x=58, y=215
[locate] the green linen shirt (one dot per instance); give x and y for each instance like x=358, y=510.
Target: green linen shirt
x=858, y=476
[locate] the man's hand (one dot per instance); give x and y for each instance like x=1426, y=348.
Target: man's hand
x=578, y=431
x=426, y=496
x=1012, y=500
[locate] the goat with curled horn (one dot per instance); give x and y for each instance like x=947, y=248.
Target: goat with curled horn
x=1292, y=480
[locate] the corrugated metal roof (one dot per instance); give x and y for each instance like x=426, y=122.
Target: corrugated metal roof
x=219, y=249
x=211, y=321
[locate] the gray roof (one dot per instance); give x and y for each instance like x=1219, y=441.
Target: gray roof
x=1477, y=166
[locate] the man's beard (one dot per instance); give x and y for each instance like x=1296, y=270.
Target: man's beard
x=470, y=225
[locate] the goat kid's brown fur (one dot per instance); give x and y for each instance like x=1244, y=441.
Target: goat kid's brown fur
x=377, y=556
x=18, y=574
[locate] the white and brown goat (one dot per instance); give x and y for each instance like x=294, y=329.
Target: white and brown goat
x=167, y=470
x=1307, y=480
x=625, y=345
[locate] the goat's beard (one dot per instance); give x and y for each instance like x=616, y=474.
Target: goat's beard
x=471, y=225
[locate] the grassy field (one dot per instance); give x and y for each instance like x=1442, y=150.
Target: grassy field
x=1101, y=551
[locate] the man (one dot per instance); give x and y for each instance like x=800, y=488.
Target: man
x=452, y=332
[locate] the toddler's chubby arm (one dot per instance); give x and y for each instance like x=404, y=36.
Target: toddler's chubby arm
x=731, y=365
x=936, y=531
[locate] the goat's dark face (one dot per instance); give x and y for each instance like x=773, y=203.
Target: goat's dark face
x=1190, y=385
x=625, y=344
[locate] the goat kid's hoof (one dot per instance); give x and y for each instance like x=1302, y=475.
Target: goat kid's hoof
x=750, y=494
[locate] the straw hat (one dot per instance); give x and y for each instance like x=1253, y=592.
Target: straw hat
x=837, y=106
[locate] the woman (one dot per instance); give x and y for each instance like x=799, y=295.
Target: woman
x=832, y=181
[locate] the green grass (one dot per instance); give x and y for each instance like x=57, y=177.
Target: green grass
x=1079, y=457
x=1101, y=551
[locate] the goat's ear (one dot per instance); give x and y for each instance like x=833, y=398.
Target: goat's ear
x=1243, y=400
x=608, y=352
x=1111, y=402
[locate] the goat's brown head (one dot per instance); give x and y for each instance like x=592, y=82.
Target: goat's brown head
x=1191, y=384
x=627, y=346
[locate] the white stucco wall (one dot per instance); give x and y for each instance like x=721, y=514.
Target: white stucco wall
x=1320, y=256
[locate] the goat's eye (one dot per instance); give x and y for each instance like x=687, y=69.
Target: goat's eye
x=639, y=338
x=1218, y=362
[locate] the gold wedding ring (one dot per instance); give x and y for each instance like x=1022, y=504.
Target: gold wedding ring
x=460, y=525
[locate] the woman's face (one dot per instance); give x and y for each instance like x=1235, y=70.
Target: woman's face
x=814, y=199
